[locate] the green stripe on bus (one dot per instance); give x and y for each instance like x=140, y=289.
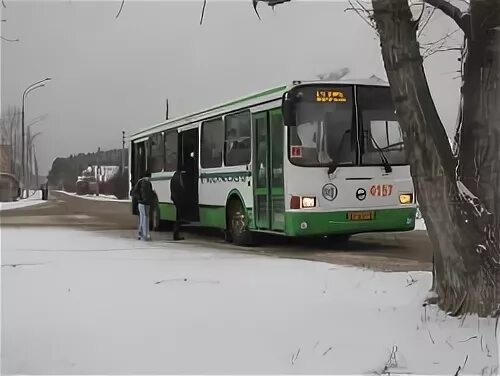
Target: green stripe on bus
x=213, y=216
x=253, y=96
x=167, y=211
x=277, y=191
x=309, y=223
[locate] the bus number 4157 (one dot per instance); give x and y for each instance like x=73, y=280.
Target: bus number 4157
x=381, y=190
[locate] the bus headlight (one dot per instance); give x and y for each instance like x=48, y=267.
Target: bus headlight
x=308, y=202
x=406, y=198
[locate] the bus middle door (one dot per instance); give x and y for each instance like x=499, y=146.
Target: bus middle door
x=268, y=171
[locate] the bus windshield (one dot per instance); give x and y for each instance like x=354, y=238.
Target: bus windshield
x=324, y=131
x=380, y=127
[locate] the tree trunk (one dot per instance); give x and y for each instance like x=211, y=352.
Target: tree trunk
x=465, y=274
x=480, y=130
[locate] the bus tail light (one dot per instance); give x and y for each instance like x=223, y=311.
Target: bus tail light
x=298, y=202
x=308, y=202
x=406, y=198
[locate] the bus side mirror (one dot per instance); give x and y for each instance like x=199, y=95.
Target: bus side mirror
x=289, y=110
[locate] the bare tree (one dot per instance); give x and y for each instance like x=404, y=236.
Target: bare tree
x=459, y=198
x=458, y=193
x=10, y=122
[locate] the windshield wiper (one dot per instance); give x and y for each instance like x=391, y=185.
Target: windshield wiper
x=385, y=162
x=332, y=167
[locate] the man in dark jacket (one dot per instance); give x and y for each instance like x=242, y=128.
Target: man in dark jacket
x=144, y=194
x=178, y=192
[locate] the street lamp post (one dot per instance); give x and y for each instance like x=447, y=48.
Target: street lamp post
x=33, y=86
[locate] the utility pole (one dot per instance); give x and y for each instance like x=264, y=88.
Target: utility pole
x=123, y=152
x=97, y=171
x=36, y=166
x=28, y=160
x=34, y=86
x=166, y=112
x=13, y=140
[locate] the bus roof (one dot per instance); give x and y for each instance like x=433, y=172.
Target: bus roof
x=252, y=99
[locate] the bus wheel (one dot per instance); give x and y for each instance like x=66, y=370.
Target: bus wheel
x=237, y=224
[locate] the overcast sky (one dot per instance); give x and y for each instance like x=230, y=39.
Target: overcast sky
x=113, y=74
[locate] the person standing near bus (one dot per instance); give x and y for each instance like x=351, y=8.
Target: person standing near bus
x=144, y=194
x=178, y=192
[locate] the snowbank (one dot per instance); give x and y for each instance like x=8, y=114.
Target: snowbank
x=77, y=302
x=93, y=197
x=420, y=225
x=34, y=199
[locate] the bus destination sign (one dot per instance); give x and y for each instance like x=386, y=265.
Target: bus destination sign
x=330, y=96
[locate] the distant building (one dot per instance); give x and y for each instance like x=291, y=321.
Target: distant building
x=5, y=158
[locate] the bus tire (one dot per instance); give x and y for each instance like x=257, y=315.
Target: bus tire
x=237, y=224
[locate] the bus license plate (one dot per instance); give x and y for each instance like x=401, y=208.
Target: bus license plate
x=361, y=216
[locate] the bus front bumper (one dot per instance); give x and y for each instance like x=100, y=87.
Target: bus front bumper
x=314, y=223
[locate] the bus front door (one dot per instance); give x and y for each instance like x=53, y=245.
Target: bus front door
x=268, y=171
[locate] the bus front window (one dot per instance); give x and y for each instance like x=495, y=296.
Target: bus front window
x=324, y=128
x=380, y=127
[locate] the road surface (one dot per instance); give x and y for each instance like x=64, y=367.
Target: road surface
x=379, y=251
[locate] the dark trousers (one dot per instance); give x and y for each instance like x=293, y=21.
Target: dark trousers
x=178, y=221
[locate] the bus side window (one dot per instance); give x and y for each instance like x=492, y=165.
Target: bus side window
x=157, y=151
x=212, y=143
x=171, y=150
x=237, y=143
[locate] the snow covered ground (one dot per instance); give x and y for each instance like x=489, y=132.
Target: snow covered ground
x=35, y=198
x=94, y=197
x=420, y=225
x=83, y=302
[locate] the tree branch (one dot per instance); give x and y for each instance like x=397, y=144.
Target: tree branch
x=203, y=11
x=358, y=11
x=421, y=14
x=461, y=19
x=426, y=22
x=120, y=10
x=271, y=3
x=255, y=2
x=9, y=40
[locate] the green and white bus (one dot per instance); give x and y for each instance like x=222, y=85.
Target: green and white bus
x=306, y=159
